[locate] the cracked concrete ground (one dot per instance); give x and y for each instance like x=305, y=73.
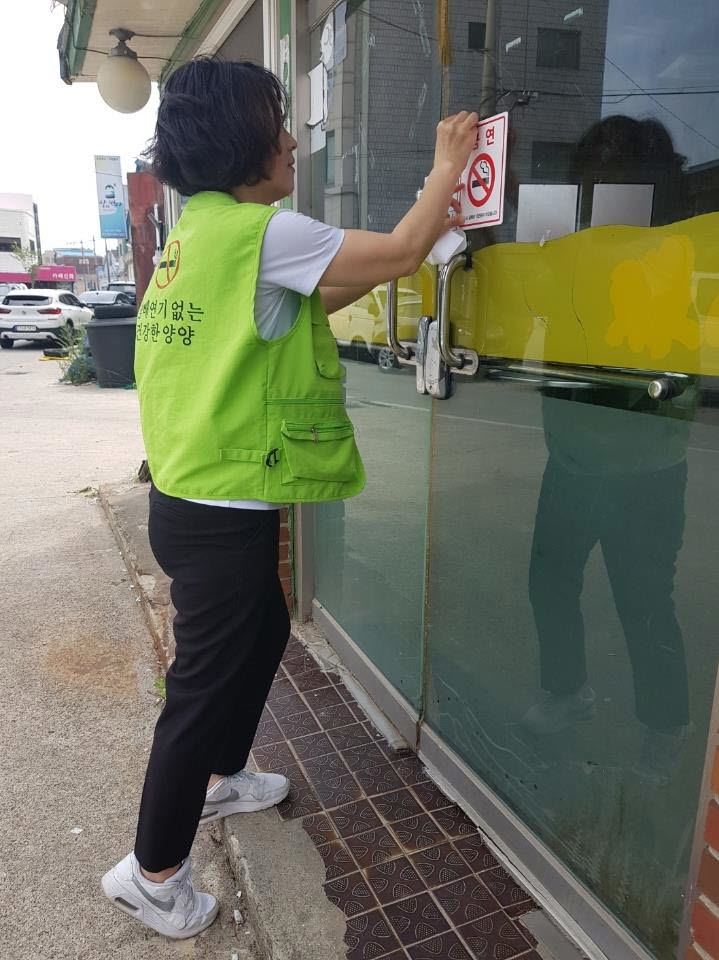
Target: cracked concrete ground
x=77, y=705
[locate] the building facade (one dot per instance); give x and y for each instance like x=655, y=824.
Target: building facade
x=526, y=586
x=19, y=226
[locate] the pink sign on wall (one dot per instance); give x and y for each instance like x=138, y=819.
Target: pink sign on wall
x=56, y=273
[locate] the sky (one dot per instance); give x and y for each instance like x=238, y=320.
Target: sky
x=51, y=131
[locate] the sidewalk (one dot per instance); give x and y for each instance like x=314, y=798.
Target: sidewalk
x=77, y=705
x=364, y=829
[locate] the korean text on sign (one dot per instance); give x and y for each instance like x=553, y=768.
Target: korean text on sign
x=483, y=177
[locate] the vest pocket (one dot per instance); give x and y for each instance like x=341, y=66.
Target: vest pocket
x=323, y=451
x=327, y=358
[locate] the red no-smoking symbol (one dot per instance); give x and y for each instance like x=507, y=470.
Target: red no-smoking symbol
x=480, y=182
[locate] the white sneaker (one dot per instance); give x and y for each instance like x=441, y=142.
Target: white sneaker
x=171, y=908
x=661, y=754
x=244, y=792
x=555, y=713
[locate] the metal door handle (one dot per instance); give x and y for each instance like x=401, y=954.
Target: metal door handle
x=399, y=350
x=458, y=359
x=661, y=387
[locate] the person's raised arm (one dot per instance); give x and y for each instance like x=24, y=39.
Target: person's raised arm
x=366, y=259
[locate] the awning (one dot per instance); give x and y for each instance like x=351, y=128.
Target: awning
x=167, y=31
x=14, y=278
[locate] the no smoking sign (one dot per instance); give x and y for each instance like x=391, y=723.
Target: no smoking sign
x=483, y=178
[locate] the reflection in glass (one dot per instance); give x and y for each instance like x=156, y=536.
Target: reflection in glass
x=572, y=544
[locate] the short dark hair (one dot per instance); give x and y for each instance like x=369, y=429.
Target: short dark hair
x=218, y=125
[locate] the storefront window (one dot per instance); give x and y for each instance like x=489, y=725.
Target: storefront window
x=532, y=562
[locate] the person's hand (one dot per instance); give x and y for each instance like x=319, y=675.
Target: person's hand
x=454, y=217
x=456, y=138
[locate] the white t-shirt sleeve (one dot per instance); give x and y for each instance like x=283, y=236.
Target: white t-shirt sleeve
x=296, y=251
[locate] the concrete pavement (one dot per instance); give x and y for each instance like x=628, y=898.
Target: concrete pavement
x=77, y=705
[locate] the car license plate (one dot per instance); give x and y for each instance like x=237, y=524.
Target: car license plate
x=26, y=328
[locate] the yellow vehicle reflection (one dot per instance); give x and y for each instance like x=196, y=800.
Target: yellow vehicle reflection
x=642, y=298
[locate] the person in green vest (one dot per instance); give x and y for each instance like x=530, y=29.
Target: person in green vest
x=242, y=410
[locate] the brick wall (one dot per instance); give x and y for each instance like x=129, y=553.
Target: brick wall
x=285, y=568
x=704, y=922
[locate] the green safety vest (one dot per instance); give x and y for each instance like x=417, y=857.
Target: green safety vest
x=225, y=414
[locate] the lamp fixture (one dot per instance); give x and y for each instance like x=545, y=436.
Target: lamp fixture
x=123, y=82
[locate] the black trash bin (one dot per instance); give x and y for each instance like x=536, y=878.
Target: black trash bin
x=112, y=343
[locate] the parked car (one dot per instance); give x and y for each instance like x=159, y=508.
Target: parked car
x=9, y=287
x=124, y=286
x=360, y=329
x=40, y=315
x=106, y=298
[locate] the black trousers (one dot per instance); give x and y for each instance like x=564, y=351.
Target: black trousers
x=639, y=522
x=231, y=629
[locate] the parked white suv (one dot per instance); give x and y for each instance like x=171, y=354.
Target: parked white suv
x=40, y=315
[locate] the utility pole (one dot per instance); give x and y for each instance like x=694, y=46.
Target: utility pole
x=488, y=99
x=107, y=262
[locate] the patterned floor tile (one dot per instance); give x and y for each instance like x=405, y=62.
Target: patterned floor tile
x=410, y=770
x=337, y=791
x=369, y=936
x=368, y=755
x=344, y=692
x=397, y=805
x=418, y=833
x=337, y=716
x=440, y=865
x=326, y=767
x=445, y=947
x=280, y=688
x=394, y=880
x=378, y=778
x=273, y=758
x=316, y=745
x=352, y=735
x=466, y=900
x=503, y=887
x=476, y=852
x=267, y=732
x=319, y=828
x=354, y=818
x=430, y=796
x=519, y=909
x=294, y=666
x=337, y=859
x=493, y=938
x=287, y=706
x=294, y=648
x=298, y=725
x=351, y=894
x=455, y=822
x=312, y=680
x=301, y=800
x=324, y=697
x=389, y=850
x=415, y=918
x=373, y=847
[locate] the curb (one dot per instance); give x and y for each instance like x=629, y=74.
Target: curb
x=281, y=874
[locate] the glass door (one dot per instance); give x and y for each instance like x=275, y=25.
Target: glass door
x=371, y=146
x=571, y=619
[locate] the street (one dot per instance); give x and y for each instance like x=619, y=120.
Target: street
x=76, y=690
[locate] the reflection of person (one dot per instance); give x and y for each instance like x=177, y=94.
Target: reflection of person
x=241, y=401
x=616, y=476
